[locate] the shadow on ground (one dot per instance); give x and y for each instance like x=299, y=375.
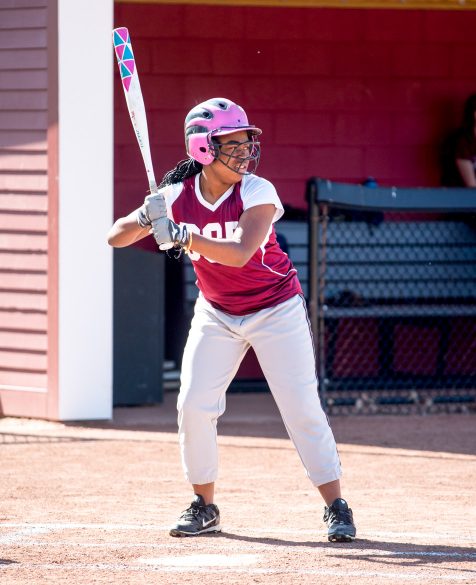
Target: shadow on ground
x=256, y=415
x=390, y=553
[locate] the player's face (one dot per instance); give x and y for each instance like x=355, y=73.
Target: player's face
x=237, y=152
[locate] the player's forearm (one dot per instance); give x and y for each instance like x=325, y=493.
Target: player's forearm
x=226, y=252
x=126, y=231
x=252, y=230
x=466, y=171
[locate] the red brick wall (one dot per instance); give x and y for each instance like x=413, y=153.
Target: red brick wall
x=339, y=93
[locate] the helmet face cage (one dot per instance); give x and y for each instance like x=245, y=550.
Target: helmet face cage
x=240, y=157
x=219, y=117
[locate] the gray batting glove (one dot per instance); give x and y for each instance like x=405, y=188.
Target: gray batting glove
x=168, y=234
x=154, y=207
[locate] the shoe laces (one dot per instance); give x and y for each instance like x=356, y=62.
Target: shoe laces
x=191, y=512
x=339, y=515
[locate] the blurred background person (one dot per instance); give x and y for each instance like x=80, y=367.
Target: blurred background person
x=459, y=150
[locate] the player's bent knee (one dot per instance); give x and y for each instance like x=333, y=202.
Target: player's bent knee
x=190, y=405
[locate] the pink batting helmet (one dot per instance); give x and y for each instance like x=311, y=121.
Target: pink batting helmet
x=215, y=117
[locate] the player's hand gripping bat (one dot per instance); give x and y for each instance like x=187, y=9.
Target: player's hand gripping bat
x=134, y=99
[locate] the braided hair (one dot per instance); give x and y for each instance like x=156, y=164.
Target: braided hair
x=183, y=170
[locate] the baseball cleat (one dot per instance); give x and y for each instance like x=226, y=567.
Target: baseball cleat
x=340, y=522
x=199, y=518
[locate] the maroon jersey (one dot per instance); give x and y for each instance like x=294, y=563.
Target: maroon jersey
x=268, y=278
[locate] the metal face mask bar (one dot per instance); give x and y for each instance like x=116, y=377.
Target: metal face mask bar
x=240, y=157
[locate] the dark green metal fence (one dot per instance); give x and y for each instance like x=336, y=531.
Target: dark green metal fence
x=392, y=290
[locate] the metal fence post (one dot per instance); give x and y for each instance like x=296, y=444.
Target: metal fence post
x=314, y=285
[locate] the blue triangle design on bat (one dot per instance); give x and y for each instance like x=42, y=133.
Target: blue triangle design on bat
x=127, y=53
x=118, y=40
x=125, y=71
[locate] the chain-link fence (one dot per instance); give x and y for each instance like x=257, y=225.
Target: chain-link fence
x=392, y=288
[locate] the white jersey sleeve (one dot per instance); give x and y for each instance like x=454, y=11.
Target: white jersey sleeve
x=258, y=191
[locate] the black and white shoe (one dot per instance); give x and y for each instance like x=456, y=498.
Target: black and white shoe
x=340, y=522
x=199, y=518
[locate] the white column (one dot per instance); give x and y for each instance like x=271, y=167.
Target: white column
x=85, y=208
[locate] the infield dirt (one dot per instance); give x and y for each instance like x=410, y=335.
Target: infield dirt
x=91, y=502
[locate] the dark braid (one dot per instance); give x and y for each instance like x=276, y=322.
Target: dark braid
x=185, y=168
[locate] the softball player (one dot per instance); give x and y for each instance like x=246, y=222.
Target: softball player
x=212, y=207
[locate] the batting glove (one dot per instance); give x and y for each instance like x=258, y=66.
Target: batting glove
x=168, y=235
x=154, y=207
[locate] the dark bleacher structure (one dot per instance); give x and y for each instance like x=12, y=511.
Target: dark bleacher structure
x=392, y=290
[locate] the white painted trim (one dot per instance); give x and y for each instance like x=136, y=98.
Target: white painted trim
x=85, y=71
x=36, y=389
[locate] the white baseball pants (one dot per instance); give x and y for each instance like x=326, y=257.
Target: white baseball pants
x=281, y=339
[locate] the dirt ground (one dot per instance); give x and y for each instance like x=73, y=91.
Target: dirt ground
x=91, y=503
